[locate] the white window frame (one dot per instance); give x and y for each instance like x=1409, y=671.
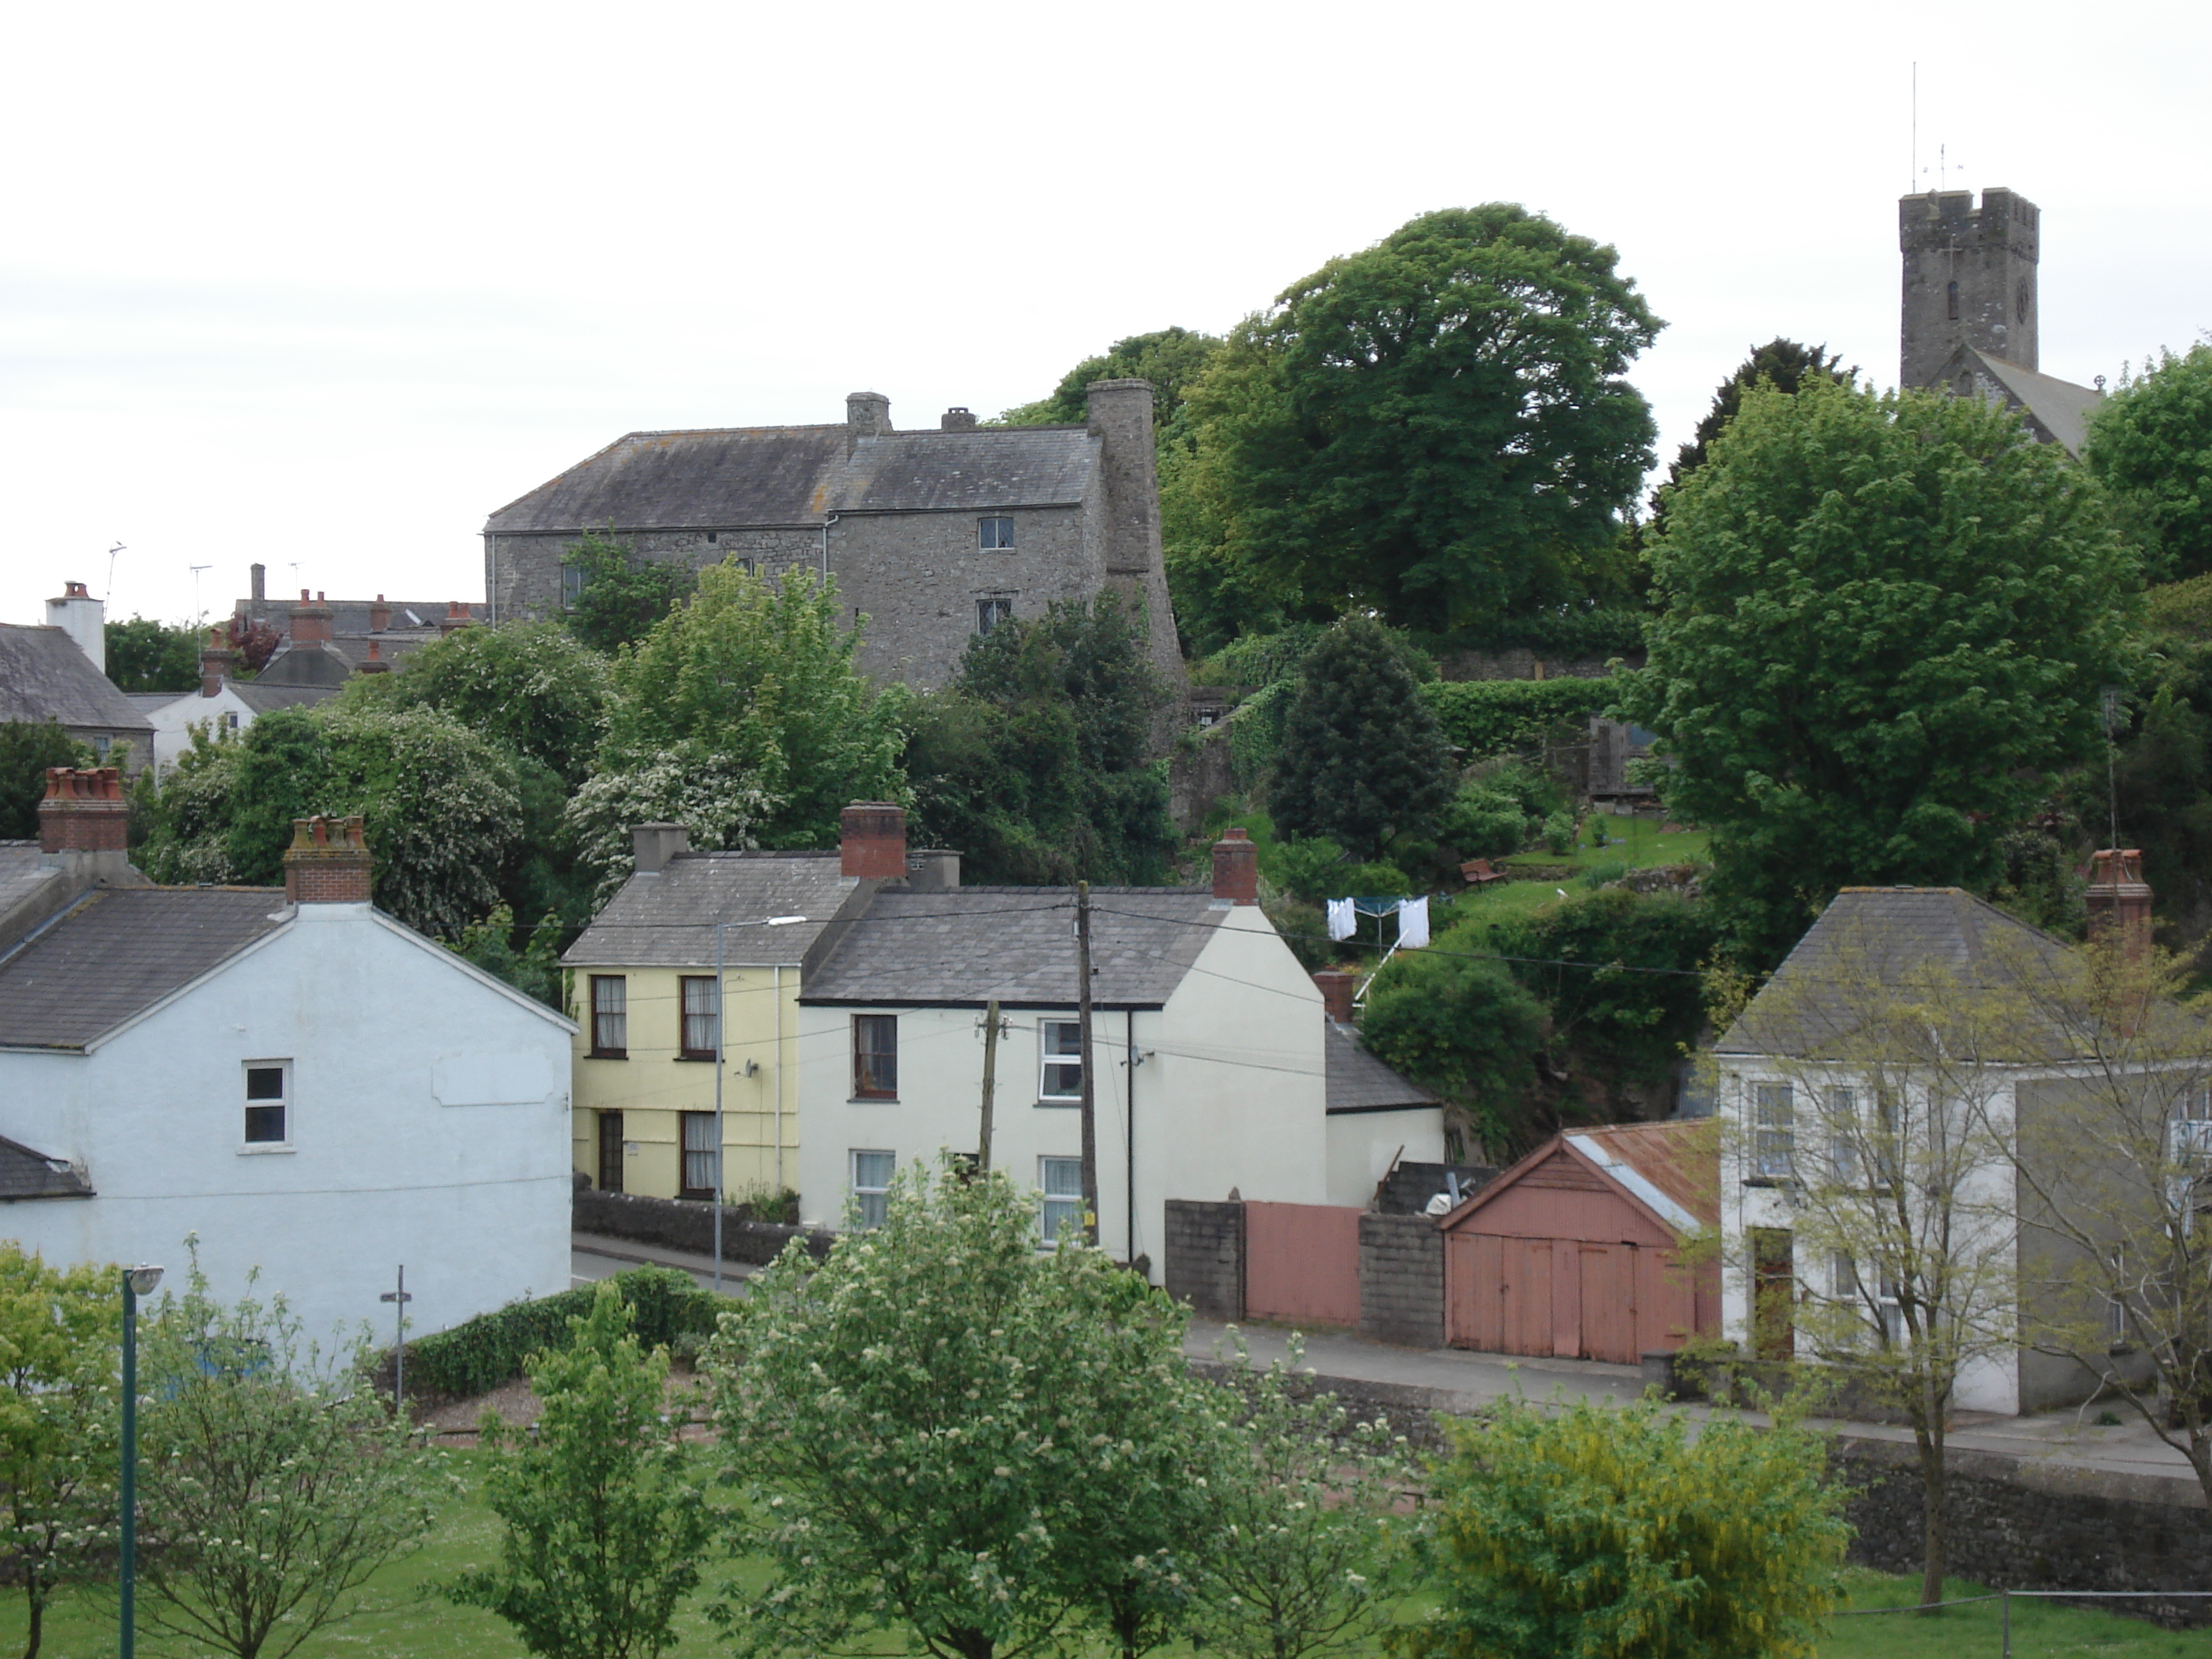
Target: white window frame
x=992, y=611
x=247, y=1141
x=1057, y=1208
x=2190, y=1134
x=573, y=578
x=1773, y=1132
x=994, y=533
x=1061, y=1090
x=873, y=1197
x=1840, y=1106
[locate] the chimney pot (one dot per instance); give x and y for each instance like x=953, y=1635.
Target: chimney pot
x=958, y=418
x=2119, y=900
x=84, y=618
x=652, y=845
x=327, y=862
x=1235, y=868
x=84, y=812
x=1336, y=987
x=311, y=621
x=379, y=616
x=872, y=841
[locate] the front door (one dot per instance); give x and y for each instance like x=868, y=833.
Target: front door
x=1773, y=1293
x=610, y=1152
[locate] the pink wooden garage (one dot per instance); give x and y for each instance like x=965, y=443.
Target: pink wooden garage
x=1572, y=1252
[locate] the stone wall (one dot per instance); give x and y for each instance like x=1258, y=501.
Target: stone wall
x=687, y=1225
x=522, y=574
x=1202, y=770
x=1401, y=1280
x=1205, y=1257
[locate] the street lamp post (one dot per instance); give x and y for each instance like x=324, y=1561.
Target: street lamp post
x=137, y=1282
x=721, y=1193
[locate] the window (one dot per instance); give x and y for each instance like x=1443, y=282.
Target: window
x=1060, y=1181
x=699, y=1171
x=1061, y=1078
x=702, y=1022
x=610, y=1017
x=871, y=1184
x=711, y=534
x=1843, y=1127
x=990, y=613
x=875, y=1057
x=2193, y=1127
x=1893, y=1316
x=1774, y=1133
x=1951, y=295
x=268, y=1103
x=230, y=720
x=995, y=535
x=572, y=586
x=101, y=744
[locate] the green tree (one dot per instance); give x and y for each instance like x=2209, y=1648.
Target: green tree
x=1362, y=758
x=941, y=1429
x=1783, y=364
x=1437, y=426
x=1589, y=1531
x=145, y=655
x=605, y=1515
x=1465, y=1027
x=58, y=1424
x=621, y=596
x=1172, y=358
x=273, y=1485
x=2150, y=444
x=26, y=750
x=532, y=687
x=1036, y=762
x=1886, y=616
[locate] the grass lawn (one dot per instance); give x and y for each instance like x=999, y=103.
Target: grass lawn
x=406, y=1620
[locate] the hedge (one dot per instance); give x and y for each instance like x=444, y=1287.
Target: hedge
x=481, y=1354
x=1612, y=632
x=1501, y=717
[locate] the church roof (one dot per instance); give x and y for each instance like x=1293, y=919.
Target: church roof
x=2059, y=407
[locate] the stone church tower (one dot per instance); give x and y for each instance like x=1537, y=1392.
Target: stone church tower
x=1969, y=279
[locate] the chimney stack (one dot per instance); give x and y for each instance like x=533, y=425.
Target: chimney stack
x=958, y=418
x=327, y=862
x=867, y=415
x=311, y=621
x=379, y=616
x=652, y=845
x=456, y=616
x=84, y=812
x=84, y=618
x=375, y=663
x=872, y=841
x=1235, y=868
x=217, y=661
x=260, y=574
x=1336, y=987
x=2119, y=900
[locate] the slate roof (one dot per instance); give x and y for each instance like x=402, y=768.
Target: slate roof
x=1884, y=936
x=317, y=665
x=663, y=918
x=727, y=477
x=264, y=699
x=43, y=677
x=27, y=1174
x=117, y=951
x=1357, y=1082
x=350, y=618
x=20, y=873
x=951, y=472
x=2060, y=407
x=963, y=948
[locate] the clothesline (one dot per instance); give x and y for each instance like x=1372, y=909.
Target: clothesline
x=1413, y=916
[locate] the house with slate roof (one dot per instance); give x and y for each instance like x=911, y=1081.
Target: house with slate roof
x=308, y=1086
x=223, y=705
x=58, y=673
x=933, y=535
x=362, y=633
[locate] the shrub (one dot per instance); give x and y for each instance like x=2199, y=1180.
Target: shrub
x=491, y=1349
x=1462, y=1026
x=1512, y=717
x=1560, y=831
x=1482, y=821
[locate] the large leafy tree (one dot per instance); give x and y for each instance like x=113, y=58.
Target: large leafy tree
x=620, y=594
x=145, y=655
x=2151, y=444
x=1036, y=762
x=26, y=750
x=530, y=687
x=1438, y=426
x=1170, y=358
x=1886, y=617
x=1784, y=364
x=1362, y=758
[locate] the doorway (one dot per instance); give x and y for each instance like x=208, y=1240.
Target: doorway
x=610, y=1152
x=1773, y=1293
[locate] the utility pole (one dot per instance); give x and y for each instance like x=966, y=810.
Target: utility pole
x=720, y=933
x=1083, y=1040
x=399, y=1343
x=990, y=1082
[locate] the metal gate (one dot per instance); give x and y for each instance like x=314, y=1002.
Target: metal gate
x=1302, y=1263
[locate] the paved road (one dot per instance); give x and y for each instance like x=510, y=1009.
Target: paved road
x=594, y=1257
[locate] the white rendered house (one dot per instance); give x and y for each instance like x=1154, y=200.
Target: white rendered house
x=309, y=1087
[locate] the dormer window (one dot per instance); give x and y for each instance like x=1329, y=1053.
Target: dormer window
x=995, y=535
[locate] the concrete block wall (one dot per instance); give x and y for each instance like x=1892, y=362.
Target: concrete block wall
x=1205, y=1257
x=1401, y=1280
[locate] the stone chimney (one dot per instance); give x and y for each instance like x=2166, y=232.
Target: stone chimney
x=872, y=841
x=1120, y=418
x=867, y=415
x=217, y=661
x=2119, y=900
x=84, y=618
x=84, y=812
x=375, y=663
x=652, y=845
x=958, y=418
x=379, y=616
x=260, y=584
x=1235, y=868
x=311, y=621
x=457, y=616
x=1336, y=987
x=327, y=862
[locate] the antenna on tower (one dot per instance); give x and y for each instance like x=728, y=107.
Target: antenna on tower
x=198, y=614
x=1942, y=167
x=2110, y=696
x=109, y=597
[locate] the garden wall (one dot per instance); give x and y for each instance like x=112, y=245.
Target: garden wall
x=1205, y=1264
x=687, y=1225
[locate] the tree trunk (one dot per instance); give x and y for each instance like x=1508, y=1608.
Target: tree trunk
x=36, y=1594
x=1934, y=1535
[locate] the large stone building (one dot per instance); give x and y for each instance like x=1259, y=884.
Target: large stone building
x=1970, y=322
x=934, y=535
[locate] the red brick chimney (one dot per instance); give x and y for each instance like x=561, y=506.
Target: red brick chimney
x=217, y=662
x=375, y=663
x=871, y=839
x=327, y=862
x=310, y=622
x=456, y=616
x=2119, y=900
x=1336, y=987
x=84, y=812
x=379, y=616
x=1235, y=868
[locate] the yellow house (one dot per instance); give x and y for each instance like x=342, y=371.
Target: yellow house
x=652, y=1034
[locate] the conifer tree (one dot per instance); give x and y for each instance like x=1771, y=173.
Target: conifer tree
x=1362, y=760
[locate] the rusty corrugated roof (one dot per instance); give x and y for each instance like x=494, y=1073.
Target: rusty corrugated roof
x=1680, y=1157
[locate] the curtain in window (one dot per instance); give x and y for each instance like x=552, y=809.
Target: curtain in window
x=1061, y=1180
x=875, y=1056
x=701, y=1017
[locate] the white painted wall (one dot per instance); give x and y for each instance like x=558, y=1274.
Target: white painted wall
x=172, y=722
x=1363, y=1145
x=429, y=1126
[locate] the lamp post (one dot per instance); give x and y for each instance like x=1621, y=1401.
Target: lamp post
x=721, y=929
x=137, y=1282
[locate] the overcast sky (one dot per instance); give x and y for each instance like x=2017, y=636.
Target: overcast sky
x=322, y=287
